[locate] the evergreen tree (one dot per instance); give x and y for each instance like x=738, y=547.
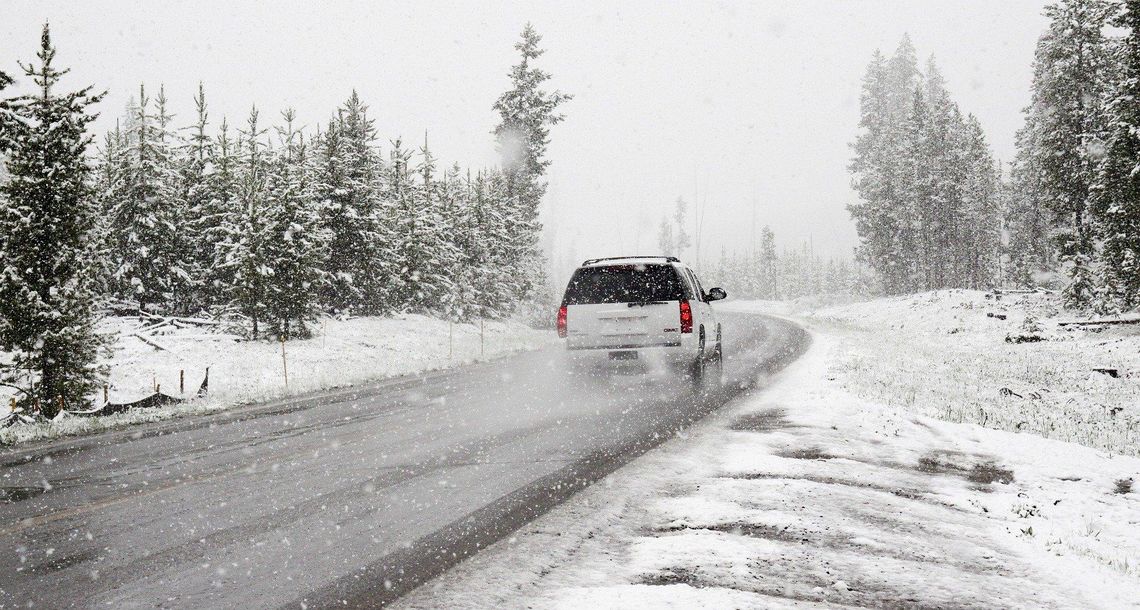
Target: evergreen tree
x=665, y=240
x=195, y=164
x=769, y=286
x=879, y=175
x=213, y=222
x=682, y=237
x=47, y=215
x=108, y=176
x=1117, y=204
x=146, y=248
x=1064, y=121
x=6, y=117
x=928, y=209
x=980, y=237
x=293, y=243
x=526, y=113
x=246, y=232
x=347, y=186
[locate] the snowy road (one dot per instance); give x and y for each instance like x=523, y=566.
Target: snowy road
x=353, y=496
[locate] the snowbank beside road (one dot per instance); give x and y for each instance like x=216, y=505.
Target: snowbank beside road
x=343, y=353
x=803, y=495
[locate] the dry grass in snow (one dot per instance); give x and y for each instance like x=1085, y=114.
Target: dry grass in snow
x=945, y=354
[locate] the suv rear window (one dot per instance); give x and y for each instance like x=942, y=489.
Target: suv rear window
x=623, y=284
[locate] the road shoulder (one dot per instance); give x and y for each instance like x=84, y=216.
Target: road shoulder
x=801, y=494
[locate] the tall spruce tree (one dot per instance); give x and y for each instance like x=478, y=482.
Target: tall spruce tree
x=246, y=230
x=980, y=245
x=1117, y=204
x=526, y=113
x=881, y=176
x=347, y=186
x=202, y=218
x=146, y=214
x=47, y=215
x=1063, y=123
x=293, y=246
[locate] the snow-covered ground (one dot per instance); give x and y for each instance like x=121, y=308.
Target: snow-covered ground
x=946, y=354
x=806, y=495
x=343, y=353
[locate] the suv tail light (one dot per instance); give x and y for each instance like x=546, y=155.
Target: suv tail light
x=562, y=321
x=686, y=317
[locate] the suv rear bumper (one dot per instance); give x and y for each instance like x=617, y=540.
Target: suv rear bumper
x=670, y=353
x=630, y=346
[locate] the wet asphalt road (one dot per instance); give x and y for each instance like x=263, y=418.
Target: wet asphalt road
x=345, y=498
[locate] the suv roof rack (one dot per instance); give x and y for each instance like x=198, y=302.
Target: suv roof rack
x=591, y=261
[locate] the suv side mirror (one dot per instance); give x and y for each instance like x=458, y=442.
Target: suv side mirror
x=716, y=294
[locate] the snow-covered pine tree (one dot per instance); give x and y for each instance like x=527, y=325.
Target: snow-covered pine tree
x=493, y=266
x=913, y=216
x=108, y=175
x=880, y=179
x=1026, y=221
x=943, y=214
x=770, y=287
x=212, y=222
x=145, y=247
x=183, y=277
x=980, y=246
x=202, y=220
x=457, y=219
x=47, y=215
x=526, y=113
x=428, y=247
x=681, y=237
x=1117, y=202
x=246, y=231
x=6, y=116
x=293, y=247
x=456, y=231
x=665, y=240
x=400, y=194
x=1065, y=120
x=347, y=183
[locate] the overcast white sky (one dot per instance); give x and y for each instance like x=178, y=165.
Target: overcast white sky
x=754, y=104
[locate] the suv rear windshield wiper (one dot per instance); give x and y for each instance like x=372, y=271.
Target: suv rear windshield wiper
x=644, y=303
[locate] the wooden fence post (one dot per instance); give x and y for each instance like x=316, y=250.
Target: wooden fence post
x=182, y=381
x=284, y=362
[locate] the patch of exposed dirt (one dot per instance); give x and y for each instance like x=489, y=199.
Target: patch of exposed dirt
x=768, y=420
x=18, y=493
x=1123, y=486
x=808, y=453
x=674, y=576
x=983, y=471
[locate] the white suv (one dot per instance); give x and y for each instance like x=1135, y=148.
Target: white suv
x=649, y=308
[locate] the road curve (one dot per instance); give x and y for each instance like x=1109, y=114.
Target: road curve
x=350, y=497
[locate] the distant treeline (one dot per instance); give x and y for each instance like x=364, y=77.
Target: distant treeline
x=763, y=272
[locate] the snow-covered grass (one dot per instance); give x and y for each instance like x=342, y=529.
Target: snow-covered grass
x=945, y=354
x=804, y=495
x=343, y=353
